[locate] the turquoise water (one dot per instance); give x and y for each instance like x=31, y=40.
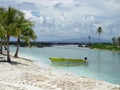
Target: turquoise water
x=103, y=65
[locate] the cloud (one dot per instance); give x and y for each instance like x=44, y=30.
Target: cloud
x=27, y=6
x=70, y=18
x=29, y=15
x=89, y=18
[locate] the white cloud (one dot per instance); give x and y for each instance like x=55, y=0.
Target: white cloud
x=89, y=19
x=70, y=18
x=41, y=19
x=28, y=14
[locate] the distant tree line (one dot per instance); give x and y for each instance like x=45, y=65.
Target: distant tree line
x=32, y=44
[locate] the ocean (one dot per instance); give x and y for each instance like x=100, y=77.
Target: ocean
x=102, y=65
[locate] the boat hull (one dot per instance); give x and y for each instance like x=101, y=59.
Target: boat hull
x=68, y=60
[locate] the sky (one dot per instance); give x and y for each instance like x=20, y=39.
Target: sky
x=66, y=19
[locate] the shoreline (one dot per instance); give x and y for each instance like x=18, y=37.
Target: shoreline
x=24, y=74
x=105, y=50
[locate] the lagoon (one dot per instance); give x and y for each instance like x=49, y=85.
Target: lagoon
x=103, y=65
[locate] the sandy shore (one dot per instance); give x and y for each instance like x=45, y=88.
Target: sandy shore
x=23, y=74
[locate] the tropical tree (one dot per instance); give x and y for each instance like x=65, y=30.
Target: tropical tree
x=2, y=37
x=99, y=31
x=14, y=24
x=9, y=17
x=24, y=32
x=10, y=20
x=2, y=33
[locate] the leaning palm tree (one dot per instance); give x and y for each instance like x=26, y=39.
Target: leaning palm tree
x=24, y=32
x=25, y=36
x=99, y=31
x=28, y=34
x=18, y=29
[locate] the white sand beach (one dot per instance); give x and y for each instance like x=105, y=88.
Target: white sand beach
x=23, y=74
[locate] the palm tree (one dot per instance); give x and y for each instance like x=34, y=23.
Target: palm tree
x=26, y=36
x=2, y=33
x=24, y=32
x=2, y=37
x=9, y=17
x=99, y=31
x=14, y=24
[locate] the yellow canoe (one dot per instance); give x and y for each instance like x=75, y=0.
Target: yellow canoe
x=68, y=60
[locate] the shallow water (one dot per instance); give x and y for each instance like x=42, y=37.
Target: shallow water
x=103, y=65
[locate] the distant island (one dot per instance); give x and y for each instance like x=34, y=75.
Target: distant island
x=32, y=44
x=105, y=47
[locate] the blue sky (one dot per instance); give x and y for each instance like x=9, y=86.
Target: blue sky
x=66, y=19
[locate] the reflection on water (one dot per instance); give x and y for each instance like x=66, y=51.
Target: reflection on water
x=103, y=65
x=69, y=64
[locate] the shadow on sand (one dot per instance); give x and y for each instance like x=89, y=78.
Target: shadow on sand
x=12, y=62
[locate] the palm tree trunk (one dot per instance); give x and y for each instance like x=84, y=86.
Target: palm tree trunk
x=8, y=54
x=18, y=45
x=5, y=48
x=99, y=38
x=1, y=47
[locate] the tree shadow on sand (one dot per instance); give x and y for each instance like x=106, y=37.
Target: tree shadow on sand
x=12, y=62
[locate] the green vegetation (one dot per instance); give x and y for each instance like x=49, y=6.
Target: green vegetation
x=105, y=46
x=13, y=23
x=114, y=46
x=99, y=31
x=40, y=44
x=32, y=44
